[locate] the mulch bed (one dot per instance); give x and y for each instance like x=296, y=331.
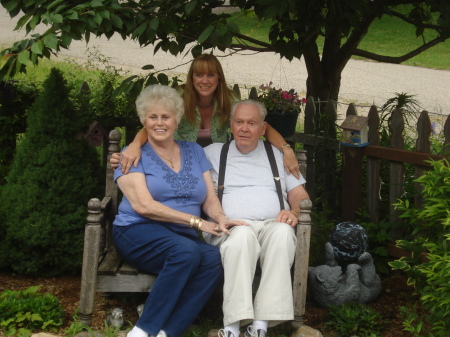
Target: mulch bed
x=394, y=293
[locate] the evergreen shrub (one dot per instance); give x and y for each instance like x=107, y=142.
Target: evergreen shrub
x=44, y=202
x=15, y=99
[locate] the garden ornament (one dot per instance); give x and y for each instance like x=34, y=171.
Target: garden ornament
x=349, y=240
x=140, y=309
x=115, y=318
x=330, y=286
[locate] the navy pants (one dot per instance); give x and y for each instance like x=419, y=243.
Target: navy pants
x=189, y=270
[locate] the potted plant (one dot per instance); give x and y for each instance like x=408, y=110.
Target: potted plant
x=283, y=108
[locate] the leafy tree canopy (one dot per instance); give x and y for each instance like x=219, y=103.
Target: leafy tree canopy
x=173, y=26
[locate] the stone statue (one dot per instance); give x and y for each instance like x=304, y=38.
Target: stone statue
x=115, y=318
x=140, y=309
x=360, y=283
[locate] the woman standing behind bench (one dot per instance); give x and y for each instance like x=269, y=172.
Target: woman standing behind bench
x=207, y=105
x=156, y=228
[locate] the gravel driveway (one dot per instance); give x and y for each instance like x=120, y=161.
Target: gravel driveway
x=363, y=83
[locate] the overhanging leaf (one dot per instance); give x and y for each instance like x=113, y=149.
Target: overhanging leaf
x=37, y=47
x=205, y=34
x=23, y=57
x=51, y=41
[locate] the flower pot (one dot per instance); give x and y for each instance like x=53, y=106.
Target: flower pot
x=285, y=124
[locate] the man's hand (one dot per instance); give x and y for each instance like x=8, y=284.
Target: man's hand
x=287, y=217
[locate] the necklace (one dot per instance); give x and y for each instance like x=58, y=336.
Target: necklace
x=167, y=159
x=205, y=105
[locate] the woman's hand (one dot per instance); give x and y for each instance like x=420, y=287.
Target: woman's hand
x=288, y=217
x=290, y=162
x=130, y=156
x=222, y=227
x=114, y=160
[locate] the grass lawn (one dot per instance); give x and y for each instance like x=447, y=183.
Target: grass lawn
x=387, y=36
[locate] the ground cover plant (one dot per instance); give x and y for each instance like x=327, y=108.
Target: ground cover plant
x=354, y=319
x=24, y=311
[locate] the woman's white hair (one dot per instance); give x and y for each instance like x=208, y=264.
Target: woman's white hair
x=159, y=94
x=261, y=108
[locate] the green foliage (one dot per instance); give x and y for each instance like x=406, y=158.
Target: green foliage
x=54, y=174
x=15, y=99
x=295, y=30
x=431, y=226
x=354, y=319
x=205, y=325
x=379, y=234
x=321, y=229
x=111, y=110
x=76, y=327
x=411, y=321
x=26, y=310
x=406, y=104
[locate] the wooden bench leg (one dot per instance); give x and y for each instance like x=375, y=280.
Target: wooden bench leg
x=90, y=262
x=301, y=262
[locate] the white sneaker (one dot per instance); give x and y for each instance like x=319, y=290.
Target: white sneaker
x=137, y=332
x=225, y=333
x=252, y=333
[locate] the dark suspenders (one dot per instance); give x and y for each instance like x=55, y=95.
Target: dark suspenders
x=273, y=166
x=222, y=167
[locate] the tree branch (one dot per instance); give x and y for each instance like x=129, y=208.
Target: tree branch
x=254, y=41
x=399, y=59
x=412, y=22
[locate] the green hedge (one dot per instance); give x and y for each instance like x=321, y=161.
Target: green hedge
x=54, y=174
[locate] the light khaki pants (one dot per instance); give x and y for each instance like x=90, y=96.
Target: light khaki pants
x=274, y=244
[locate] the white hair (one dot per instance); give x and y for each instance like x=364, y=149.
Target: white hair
x=159, y=94
x=261, y=108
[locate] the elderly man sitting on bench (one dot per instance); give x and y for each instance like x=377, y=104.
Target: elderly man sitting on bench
x=254, y=187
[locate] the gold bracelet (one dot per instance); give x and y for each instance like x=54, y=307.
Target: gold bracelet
x=200, y=223
x=197, y=221
x=297, y=213
x=191, y=222
x=283, y=146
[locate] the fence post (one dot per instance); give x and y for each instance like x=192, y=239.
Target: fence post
x=446, y=148
x=352, y=181
x=237, y=90
x=422, y=145
x=396, y=172
x=373, y=168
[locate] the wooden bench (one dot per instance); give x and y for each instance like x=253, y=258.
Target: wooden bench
x=104, y=271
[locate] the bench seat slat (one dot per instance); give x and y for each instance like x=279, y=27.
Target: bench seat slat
x=125, y=283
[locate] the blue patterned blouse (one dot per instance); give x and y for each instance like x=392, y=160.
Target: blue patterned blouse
x=184, y=191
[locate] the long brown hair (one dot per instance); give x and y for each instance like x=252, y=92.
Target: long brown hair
x=209, y=64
